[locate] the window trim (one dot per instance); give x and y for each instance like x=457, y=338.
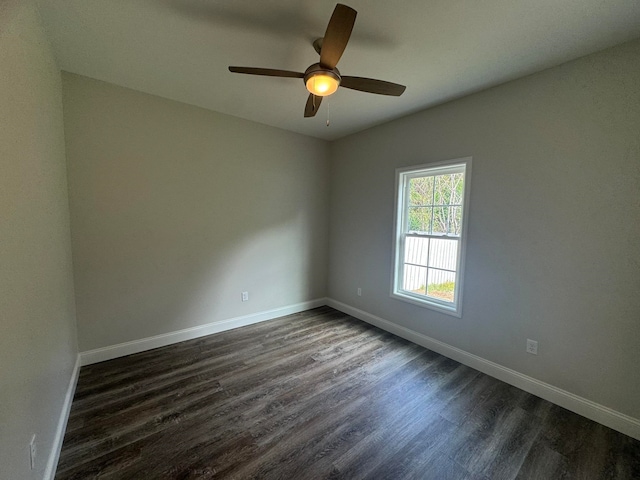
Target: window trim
x=398, y=234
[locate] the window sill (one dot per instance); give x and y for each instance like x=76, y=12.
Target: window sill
x=438, y=307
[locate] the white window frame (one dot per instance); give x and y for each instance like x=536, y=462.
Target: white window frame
x=400, y=221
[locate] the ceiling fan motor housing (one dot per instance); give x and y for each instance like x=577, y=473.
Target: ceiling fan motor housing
x=329, y=75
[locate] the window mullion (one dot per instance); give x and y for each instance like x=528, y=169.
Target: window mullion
x=425, y=235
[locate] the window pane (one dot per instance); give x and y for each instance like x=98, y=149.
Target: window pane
x=421, y=191
x=443, y=187
x=419, y=219
x=455, y=221
x=441, y=285
x=457, y=182
x=415, y=279
x=416, y=250
x=440, y=220
x=443, y=254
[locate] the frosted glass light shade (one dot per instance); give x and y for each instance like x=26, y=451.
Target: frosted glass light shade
x=322, y=84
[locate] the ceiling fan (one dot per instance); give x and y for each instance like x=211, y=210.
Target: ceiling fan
x=323, y=78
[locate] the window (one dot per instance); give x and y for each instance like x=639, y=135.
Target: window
x=431, y=209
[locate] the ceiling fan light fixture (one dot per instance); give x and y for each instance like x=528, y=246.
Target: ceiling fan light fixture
x=323, y=78
x=322, y=83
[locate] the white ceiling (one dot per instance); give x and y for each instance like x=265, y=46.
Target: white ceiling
x=440, y=49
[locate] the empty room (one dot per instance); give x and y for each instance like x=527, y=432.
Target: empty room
x=312, y=240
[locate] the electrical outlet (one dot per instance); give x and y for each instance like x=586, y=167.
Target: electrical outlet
x=359, y=292
x=245, y=296
x=532, y=346
x=33, y=451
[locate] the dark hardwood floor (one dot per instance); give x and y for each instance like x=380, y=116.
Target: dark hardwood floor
x=322, y=395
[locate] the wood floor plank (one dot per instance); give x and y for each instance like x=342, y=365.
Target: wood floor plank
x=335, y=410
x=413, y=460
x=543, y=462
x=321, y=395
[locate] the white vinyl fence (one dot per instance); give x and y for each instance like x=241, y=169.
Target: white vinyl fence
x=429, y=261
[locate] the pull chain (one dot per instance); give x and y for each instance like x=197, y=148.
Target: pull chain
x=328, y=121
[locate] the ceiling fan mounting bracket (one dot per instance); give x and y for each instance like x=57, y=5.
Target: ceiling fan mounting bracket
x=317, y=45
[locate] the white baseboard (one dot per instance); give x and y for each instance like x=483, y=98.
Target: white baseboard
x=54, y=455
x=582, y=406
x=137, y=346
x=594, y=411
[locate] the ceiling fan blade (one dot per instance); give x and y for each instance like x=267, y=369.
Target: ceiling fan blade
x=313, y=103
x=371, y=85
x=269, y=72
x=337, y=35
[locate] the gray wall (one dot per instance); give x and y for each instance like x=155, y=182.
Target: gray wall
x=37, y=313
x=554, y=223
x=175, y=210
